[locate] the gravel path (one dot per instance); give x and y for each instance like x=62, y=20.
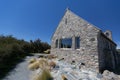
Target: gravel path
x=71, y=72
x=21, y=72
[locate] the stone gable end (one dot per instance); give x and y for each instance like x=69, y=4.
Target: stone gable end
x=88, y=38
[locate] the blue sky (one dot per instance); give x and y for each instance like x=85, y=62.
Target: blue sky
x=32, y=19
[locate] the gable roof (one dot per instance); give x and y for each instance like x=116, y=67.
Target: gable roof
x=68, y=11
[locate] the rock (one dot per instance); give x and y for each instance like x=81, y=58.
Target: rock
x=67, y=71
x=73, y=62
x=81, y=65
x=99, y=75
x=61, y=59
x=107, y=75
x=83, y=76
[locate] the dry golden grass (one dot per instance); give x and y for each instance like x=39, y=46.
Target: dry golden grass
x=47, y=51
x=64, y=77
x=52, y=64
x=34, y=65
x=51, y=56
x=32, y=60
x=43, y=63
x=45, y=75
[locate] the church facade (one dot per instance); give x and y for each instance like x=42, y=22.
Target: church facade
x=77, y=40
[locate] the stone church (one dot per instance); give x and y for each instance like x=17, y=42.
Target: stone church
x=77, y=40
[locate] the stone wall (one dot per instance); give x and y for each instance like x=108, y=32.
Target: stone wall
x=96, y=50
x=117, y=59
x=107, y=53
x=73, y=26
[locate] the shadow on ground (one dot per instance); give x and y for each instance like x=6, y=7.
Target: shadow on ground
x=117, y=71
x=9, y=66
x=4, y=70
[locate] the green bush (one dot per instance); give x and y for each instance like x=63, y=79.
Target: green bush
x=38, y=46
x=13, y=51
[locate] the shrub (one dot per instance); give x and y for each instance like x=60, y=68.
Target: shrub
x=38, y=46
x=11, y=53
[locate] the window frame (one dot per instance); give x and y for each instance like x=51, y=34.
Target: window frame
x=65, y=45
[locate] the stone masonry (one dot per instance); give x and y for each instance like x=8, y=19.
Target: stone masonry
x=96, y=48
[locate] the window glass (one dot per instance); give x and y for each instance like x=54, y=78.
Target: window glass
x=66, y=43
x=77, y=42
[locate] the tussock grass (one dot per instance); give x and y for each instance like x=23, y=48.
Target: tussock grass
x=64, y=77
x=52, y=64
x=34, y=65
x=51, y=56
x=47, y=51
x=32, y=60
x=43, y=63
x=45, y=75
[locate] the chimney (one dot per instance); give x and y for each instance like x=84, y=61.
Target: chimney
x=108, y=34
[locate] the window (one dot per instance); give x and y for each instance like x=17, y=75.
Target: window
x=66, y=21
x=56, y=44
x=77, y=42
x=66, y=43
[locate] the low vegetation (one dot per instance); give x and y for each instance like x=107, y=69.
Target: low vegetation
x=64, y=77
x=51, y=56
x=52, y=64
x=47, y=51
x=41, y=63
x=13, y=51
x=45, y=75
x=32, y=60
x=38, y=47
x=44, y=65
x=34, y=65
